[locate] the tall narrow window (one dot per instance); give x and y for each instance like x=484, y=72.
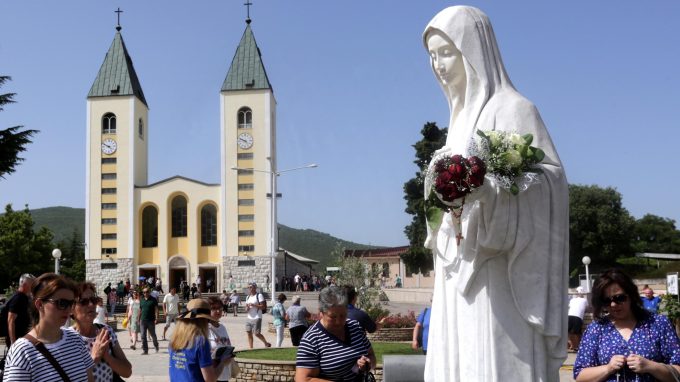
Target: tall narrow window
x=150, y=227
x=109, y=123
x=208, y=226
x=245, y=118
x=140, y=128
x=179, y=216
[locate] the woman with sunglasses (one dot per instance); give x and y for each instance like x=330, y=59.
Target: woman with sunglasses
x=53, y=298
x=101, y=340
x=625, y=342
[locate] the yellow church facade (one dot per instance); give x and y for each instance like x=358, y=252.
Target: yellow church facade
x=178, y=228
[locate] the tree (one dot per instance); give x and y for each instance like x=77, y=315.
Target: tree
x=418, y=258
x=22, y=250
x=73, y=257
x=655, y=234
x=357, y=272
x=599, y=227
x=12, y=141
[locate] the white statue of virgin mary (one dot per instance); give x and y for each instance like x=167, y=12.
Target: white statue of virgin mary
x=499, y=309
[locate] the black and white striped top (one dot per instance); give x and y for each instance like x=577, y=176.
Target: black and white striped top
x=334, y=358
x=26, y=363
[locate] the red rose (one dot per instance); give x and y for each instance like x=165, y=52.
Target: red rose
x=457, y=159
x=476, y=180
x=444, y=177
x=458, y=171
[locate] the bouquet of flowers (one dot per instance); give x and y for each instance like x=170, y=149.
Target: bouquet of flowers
x=452, y=177
x=456, y=176
x=509, y=157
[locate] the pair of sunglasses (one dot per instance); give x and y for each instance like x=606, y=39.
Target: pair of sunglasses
x=61, y=304
x=617, y=299
x=88, y=301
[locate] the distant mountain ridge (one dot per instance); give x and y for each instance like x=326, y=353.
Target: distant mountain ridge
x=62, y=221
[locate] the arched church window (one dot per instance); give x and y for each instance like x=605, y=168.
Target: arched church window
x=245, y=118
x=179, y=216
x=109, y=123
x=140, y=128
x=208, y=226
x=386, y=269
x=149, y=227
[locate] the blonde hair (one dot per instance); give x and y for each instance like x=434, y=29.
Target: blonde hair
x=187, y=331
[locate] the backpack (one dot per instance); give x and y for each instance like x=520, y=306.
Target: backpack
x=264, y=302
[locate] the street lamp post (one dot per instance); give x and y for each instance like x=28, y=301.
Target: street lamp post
x=586, y=262
x=274, y=220
x=56, y=253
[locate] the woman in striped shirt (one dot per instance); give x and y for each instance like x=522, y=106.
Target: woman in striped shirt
x=53, y=298
x=334, y=348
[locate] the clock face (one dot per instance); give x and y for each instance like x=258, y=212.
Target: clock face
x=245, y=141
x=109, y=146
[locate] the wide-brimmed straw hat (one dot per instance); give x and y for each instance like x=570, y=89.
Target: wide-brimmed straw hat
x=197, y=308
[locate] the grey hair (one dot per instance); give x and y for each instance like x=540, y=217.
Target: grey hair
x=330, y=297
x=25, y=277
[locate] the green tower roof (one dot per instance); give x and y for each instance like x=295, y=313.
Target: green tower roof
x=247, y=70
x=117, y=76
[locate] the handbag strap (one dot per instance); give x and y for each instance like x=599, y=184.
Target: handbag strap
x=39, y=346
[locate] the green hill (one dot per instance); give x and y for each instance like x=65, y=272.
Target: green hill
x=304, y=242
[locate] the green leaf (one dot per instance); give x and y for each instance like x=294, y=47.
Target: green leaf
x=434, y=215
x=539, y=155
x=528, y=138
x=514, y=189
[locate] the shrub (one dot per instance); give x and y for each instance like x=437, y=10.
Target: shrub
x=400, y=321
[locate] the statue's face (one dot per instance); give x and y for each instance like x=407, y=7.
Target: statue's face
x=447, y=61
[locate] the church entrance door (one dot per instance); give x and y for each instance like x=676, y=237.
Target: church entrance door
x=209, y=277
x=178, y=271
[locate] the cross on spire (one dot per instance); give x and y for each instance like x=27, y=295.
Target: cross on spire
x=118, y=27
x=248, y=4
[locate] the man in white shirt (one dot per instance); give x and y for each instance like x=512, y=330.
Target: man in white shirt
x=298, y=282
x=577, y=309
x=170, y=309
x=255, y=304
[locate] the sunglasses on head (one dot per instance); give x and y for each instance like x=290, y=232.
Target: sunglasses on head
x=61, y=304
x=616, y=299
x=87, y=301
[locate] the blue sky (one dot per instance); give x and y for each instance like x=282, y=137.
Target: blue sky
x=354, y=88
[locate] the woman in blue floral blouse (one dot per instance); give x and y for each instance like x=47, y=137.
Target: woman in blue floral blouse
x=625, y=342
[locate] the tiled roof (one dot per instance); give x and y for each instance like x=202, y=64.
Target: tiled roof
x=376, y=252
x=247, y=70
x=117, y=76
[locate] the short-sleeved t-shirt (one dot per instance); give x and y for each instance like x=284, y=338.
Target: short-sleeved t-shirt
x=356, y=314
x=653, y=338
x=171, y=303
x=296, y=316
x=652, y=304
x=220, y=338
x=577, y=307
x=102, y=371
x=278, y=311
x=148, y=307
x=424, y=320
x=18, y=304
x=186, y=364
x=254, y=312
x=26, y=363
x=334, y=358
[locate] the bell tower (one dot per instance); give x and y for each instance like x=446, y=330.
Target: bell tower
x=248, y=141
x=117, y=151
